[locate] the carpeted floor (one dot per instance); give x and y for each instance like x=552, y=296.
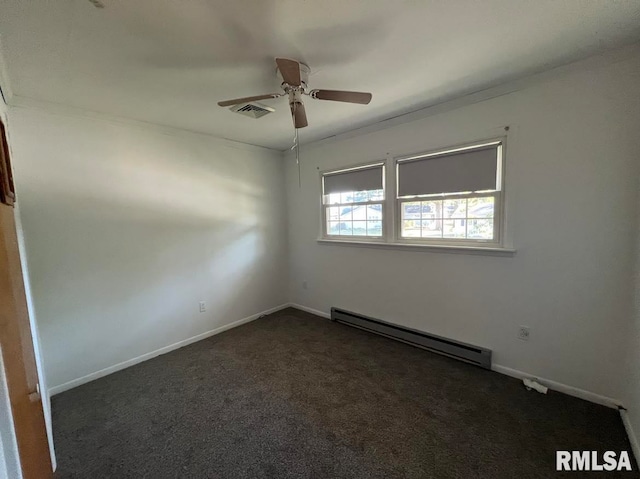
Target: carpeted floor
x=296, y=396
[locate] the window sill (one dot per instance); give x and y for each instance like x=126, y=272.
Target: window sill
x=456, y=249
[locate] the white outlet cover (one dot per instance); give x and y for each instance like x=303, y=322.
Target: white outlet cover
x=524, y=333
x=203, y=307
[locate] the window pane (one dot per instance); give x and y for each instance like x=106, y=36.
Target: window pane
x=431, y=209
x=410, y=219
x=374, y=212
x=355, y=220
x=346, y=228
x=376, y=195
x=410, y=210
x=455, y=208
x=374, y=228
x=360, y=196
x=481, y=207
x=359, y=212
x=480, y=229
x=346, y=197
x=454, y=228
x=448, y=219
x=349, y=197
x=432, y=228
x=346, y=213
x=359, y=228
x=332, y=199
x=411, y=229
x=333, y=213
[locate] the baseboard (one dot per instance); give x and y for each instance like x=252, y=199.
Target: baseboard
x=310, y=310
x=633, y=439
x=125, y=364
x=560, y=387
x=556, y=386
x=553, y=385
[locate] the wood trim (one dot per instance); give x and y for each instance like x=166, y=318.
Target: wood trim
x=16, y=338
x=7, y=188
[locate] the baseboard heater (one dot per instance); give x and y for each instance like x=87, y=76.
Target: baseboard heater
x=437, y=344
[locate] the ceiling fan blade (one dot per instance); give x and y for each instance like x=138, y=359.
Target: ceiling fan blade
x=290, y=71
x=299, y=114
x=339, y=95
x=248, y=99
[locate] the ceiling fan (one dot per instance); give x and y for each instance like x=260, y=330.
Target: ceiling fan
x=294, y=77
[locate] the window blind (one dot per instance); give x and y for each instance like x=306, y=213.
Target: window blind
x=455, y=172
x=361, y=179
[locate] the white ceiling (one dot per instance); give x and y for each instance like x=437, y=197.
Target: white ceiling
x=169, y=62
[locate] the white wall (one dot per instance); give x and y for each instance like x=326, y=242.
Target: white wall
x=127, y=227
x=572, y=166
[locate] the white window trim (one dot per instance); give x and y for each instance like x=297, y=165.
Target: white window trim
x=391, y=238
x=442, y=248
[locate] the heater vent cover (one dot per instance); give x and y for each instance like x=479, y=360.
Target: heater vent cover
x=252, y=110
x=437, y=344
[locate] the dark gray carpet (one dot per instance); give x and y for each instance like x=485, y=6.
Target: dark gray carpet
x=294, y=395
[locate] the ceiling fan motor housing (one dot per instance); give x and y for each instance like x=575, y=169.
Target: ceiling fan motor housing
x=295, y=95
x=304, y=76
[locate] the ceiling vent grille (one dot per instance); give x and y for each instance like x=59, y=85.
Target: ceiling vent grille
x=252, y=110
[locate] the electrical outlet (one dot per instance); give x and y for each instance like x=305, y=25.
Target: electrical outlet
x=524, y=333
x=203, y=307
x=304, y=285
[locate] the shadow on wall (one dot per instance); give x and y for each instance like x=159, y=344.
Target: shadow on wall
x=124, y=239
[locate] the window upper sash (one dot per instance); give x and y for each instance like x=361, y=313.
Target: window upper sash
x=358, y=179
x=468, y=170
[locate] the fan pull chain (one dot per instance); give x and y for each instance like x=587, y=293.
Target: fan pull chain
x=298, y=159
x=296, y=146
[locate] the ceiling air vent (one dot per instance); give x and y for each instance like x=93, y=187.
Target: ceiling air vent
x=252, y=110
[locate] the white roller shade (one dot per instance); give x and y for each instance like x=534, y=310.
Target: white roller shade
x=362, y=179
x=467, y=170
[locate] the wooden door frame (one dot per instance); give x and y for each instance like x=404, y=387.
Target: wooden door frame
x=16, y=338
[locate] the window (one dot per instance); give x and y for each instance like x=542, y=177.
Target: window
x=451, y=196
x=353, y=202
x=448, y=198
